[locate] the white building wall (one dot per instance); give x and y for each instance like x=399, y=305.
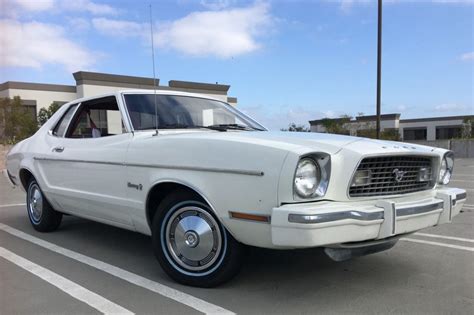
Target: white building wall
x=42, y=98
x=430, y=126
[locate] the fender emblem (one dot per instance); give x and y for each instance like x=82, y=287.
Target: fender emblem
x=137, y=187
x=398, y=175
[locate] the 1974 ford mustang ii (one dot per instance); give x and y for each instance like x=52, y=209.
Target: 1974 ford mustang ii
x=204, y=179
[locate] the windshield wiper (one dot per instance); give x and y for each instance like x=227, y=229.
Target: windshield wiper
x=236, y=127
x=184, y=126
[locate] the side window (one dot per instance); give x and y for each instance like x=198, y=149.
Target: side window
x=97, y=118
x=60, y=128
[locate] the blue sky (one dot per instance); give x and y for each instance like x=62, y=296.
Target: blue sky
x=286, y=61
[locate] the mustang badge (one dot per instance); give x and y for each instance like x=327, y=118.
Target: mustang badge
x=398, y=175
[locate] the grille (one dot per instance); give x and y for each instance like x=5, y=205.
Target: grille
x=383, y=171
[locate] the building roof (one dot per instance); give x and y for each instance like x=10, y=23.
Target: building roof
x=37, y=86
x=436, y=118
x=86, y=77
x=198, y=86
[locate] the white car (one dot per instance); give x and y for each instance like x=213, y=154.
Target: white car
x=204, y=180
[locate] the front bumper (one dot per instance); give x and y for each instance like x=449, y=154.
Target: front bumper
x=329, y=223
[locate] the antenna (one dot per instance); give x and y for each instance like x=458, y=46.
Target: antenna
x=154, y=75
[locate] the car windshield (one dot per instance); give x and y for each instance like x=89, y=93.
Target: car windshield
x=178, y=112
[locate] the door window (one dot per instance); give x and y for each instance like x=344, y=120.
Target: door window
x=97, y=118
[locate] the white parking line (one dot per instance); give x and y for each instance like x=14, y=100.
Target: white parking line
x=67, y=286
x=178, y=296
x=469, y=249
x=446, y=237
x=13, y=205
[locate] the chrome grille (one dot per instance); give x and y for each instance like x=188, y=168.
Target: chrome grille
x=383, y=171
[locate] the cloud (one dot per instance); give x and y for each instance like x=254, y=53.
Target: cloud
x=467, y=56
x=87, y=6
x=79, y=24
x=14, y=8
x=450, y=107
x=35, y=44
x=34, y=5
x=119, y=28
x=216, y=4
x=222, y=34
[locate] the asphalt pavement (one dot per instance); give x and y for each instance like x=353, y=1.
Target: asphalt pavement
x=88, y=268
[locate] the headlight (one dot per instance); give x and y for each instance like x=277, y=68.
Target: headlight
x=311, y=177
x=446, y=169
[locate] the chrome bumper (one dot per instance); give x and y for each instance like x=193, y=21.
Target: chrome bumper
x=326, y=223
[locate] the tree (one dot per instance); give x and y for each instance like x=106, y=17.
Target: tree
x=336, y=125
x=16, y=122
x=46, y=113
x=296, y=128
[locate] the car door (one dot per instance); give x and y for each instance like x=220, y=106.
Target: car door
x=85, y=165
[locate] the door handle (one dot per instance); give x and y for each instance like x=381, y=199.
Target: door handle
x=58, y=149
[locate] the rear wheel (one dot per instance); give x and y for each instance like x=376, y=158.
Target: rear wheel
x=42, y=216
x=190, y=243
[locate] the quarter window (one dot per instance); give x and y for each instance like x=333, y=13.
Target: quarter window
x=60, y=128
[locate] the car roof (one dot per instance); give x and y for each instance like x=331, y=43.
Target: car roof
x=145, y=91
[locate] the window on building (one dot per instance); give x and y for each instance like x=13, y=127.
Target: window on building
x=414, y=133
x=448, y=132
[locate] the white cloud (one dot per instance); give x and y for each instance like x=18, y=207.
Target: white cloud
x=34, y=5
x=15, y=7
x=450, y=107
x=216, y=4
x=120, y=28
x=468, y=56
x=224, y=33
x=35, y=44
x=88, y=6
x=79, y=24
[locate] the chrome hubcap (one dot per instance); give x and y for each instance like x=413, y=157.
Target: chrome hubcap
x=35, y=204
x=193, y=238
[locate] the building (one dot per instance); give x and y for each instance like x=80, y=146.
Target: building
x=435, y=128
x=40, y=95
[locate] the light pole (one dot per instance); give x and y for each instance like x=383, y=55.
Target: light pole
x=379, y=63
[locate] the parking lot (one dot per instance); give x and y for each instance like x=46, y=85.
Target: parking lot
x=87, y=268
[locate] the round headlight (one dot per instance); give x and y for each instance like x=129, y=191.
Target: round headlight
x=307, y=178
x=446, y=169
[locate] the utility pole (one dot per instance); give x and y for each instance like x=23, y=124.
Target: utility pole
x=379, y=64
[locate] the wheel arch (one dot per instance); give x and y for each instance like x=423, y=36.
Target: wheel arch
x=25, y=175
x=161, y=189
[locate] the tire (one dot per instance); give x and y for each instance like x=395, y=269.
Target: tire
x=42, y=216
x=190, y=243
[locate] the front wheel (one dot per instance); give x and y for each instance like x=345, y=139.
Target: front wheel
x=41, y=214
x=190, y=243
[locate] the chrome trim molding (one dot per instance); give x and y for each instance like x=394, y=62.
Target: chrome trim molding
x=461, y=196
x=360, y=215
x=419, y=209
x=172, y=167
x=335, y=216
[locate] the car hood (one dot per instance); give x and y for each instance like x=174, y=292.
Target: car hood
x=291, y=141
